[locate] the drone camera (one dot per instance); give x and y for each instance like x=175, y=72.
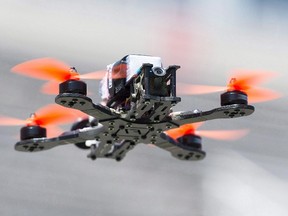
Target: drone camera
x=158, y=71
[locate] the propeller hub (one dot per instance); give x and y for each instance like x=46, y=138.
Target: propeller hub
x=31, y=120
x=74, y=75
x=232, y=84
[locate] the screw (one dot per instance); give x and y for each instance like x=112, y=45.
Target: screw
x=70, y=104
x=168, y=126
x=226, y=112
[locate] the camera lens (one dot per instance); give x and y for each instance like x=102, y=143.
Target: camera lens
x=158, y=71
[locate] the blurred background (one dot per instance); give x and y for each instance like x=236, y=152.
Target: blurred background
x=209, y=39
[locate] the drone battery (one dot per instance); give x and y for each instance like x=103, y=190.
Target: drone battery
x=135, y=62
x=117, y=77
x=120, y=74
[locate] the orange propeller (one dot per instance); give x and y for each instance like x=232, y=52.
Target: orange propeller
x=213, y=134
x=47, y=116
x=244, y=81
x=54, y=71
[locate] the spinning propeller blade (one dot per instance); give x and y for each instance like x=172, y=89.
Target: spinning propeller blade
x=175, y=133
x=46, y=116
x=187, y=89
x=213, y=134
x=223, y=134
x=257, y=95
x=97, y=75
x=241, y=80
x=44, y=68
x=53, y=131
x=55, y=70
x=9, y=121
x=51, y=87
x=55, y=114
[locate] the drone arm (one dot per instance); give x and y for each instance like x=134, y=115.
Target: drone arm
x=228, y=111
x=77, y=136
x=84, y=104
x=181, y=152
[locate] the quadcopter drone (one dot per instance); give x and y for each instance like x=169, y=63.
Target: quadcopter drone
x=138, y=94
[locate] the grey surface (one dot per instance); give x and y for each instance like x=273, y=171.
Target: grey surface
x=244, y=177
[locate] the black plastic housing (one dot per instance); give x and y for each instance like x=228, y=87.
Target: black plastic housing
x=30, y=132
x=234, y=97
x=73, y=86
x=190, y=141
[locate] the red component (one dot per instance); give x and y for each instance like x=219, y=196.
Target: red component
x=46, y=69
x=213, y=134
x=54, y=71
x=242, y=80
x=223, y=134
x=46, y=117
x=175, y=133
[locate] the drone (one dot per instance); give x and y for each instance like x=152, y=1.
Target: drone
x=137, y=95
